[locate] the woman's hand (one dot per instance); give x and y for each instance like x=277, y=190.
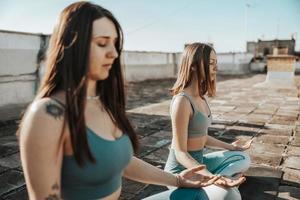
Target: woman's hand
x=239, y=146
x=228, y=182
x=191, y=179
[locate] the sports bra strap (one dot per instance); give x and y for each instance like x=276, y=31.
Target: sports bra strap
x=190, y=100
x=185, y=95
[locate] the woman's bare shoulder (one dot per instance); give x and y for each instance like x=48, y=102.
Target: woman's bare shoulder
x=181, y=103
x=43, y=119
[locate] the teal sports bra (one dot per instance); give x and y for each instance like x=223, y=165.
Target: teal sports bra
x=199, y=123
x=100, y=179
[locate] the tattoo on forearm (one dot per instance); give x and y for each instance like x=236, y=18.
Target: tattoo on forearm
x=54, y=110
x=55, y=195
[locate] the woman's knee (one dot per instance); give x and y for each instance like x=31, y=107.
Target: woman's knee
x=246, y=162
x=214, y=192
x=243, y=162
x=240, y=163
x=233, y=194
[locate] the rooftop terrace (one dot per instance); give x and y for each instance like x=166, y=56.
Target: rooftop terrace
x=240, y=111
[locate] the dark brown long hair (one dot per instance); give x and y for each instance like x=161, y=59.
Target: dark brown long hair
x=195, y=60
x=67, y=65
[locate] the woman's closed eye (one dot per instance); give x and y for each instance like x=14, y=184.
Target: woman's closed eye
x=213, y=64
x=102, y=44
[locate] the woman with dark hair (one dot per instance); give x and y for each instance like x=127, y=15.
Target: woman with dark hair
x=191, y=117
x=75, y=139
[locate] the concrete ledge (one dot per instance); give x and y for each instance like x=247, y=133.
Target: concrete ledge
x=11, y=112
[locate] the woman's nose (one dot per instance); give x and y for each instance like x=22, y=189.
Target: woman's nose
x=113, y=52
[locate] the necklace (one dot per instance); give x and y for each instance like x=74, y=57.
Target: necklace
x=93, y=97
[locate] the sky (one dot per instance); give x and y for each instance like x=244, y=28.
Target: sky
x=166, y=25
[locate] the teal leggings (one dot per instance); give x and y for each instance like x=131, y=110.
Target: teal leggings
x=226, y=163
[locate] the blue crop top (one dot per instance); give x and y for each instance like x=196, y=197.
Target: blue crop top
x=199, y=123
x=100, y=179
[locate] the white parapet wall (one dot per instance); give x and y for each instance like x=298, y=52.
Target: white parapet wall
x=234, y=63
x=156, y=65
x=18, y=64
x=140, y=66
x=19, y=75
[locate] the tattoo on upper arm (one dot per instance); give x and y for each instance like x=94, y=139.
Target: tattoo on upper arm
x=55, y=195
x=55, y=186
x=54, y=110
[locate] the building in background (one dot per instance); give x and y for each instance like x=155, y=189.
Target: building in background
x=262, y=48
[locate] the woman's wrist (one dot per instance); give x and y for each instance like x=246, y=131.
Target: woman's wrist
x=231, y=147
x=178, y=180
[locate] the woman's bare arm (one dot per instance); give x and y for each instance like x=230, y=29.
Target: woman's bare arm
x=41, y=148
x=141, y=171
x=180, y=115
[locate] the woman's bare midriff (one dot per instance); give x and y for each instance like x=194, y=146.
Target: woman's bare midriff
x=195, y=144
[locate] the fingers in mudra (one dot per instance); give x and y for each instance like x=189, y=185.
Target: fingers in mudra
x=240, y=146
x=210, y=180
x=229, y=182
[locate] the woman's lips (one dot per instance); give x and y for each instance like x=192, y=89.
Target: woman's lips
x=107, y=66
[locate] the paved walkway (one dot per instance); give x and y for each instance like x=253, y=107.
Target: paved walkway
x=240, y=111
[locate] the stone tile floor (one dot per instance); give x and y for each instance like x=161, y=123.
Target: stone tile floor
x=240, y=111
